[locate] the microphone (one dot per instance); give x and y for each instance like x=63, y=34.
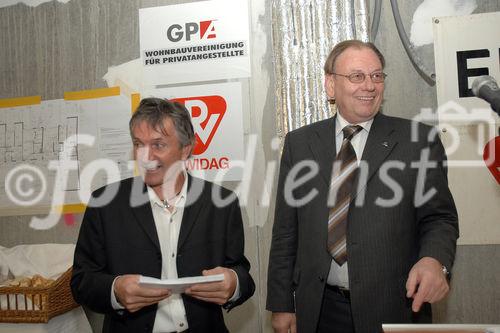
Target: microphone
x=485, y=87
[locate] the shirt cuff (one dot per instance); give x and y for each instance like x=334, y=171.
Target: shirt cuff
x=114, y=302
x=237, y=292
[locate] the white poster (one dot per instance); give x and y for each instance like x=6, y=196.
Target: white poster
x=198, y=41
x=465, y=48
x=54, y=153
x=216, y=113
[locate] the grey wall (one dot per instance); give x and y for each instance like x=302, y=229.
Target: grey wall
x=55, y=47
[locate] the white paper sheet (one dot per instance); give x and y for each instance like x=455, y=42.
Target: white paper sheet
x=178, y=286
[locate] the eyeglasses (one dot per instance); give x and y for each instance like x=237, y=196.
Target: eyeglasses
x=358, y=77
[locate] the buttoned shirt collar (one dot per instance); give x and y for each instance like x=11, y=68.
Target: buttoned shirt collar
x=340, y=123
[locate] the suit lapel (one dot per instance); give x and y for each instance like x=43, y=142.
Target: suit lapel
x=322, y=145
x=142, y=212
x=379, y=145
x=194, y=202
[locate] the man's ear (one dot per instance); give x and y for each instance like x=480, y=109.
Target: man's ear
x=186, y=151
x=329, y=86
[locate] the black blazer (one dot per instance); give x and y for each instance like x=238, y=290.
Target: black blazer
x=383, y=243
x=120, y=238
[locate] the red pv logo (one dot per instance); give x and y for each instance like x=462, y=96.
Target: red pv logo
x=206, y=113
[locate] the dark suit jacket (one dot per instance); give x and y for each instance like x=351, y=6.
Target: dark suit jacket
x=120, y=238
x=383, y=243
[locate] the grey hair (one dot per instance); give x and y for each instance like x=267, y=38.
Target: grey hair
x=154, y=111
x=338, y=49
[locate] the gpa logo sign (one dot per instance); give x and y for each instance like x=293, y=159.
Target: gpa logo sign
x=196, y=41
x=206, y=114
x=217, y=117
x=190, y=30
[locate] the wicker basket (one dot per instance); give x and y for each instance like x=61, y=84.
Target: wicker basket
x=36, y=304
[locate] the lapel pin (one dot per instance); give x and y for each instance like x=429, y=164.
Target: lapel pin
x=385, y=144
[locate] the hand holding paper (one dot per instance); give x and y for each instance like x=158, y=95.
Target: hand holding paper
x=133, y=296
x=215, y=292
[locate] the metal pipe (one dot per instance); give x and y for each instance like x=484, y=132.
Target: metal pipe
x=427, y=75
x=376, y=20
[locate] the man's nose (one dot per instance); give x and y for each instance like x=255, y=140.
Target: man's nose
x=368, y=83
x=144, y=153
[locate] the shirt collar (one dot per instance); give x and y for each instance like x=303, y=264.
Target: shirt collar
x=340, y=123
x=153, y=197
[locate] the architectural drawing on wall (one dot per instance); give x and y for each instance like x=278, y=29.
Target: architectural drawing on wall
x=21, y=144
x=43, y=141
x=67, y=146
x=37, y=150
x=11, y=148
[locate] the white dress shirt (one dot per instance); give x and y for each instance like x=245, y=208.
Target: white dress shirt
x=171, y=314
x=338, y=275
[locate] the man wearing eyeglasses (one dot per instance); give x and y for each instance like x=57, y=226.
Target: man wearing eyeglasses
x=375, y=239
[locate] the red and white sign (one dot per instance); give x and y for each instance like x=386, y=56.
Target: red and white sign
x=466, y=47
x=216, y=113
x=198, y=41
x=491, y=157
x=207, y=113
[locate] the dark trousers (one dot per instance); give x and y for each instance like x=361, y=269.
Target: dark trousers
x=335, y=314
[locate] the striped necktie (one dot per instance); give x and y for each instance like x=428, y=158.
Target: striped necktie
x=343, y=176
